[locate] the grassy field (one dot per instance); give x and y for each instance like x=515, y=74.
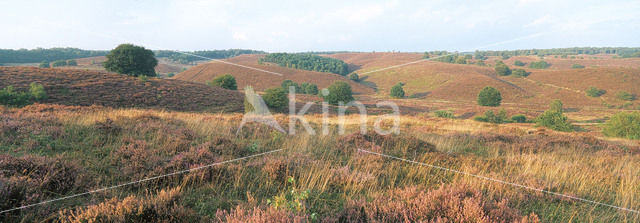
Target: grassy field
x=49, y=151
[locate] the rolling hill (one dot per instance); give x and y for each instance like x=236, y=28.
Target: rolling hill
x=88, y=87
x=260, y=80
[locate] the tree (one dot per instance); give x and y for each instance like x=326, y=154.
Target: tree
x=72, y=62
x=276, y=98
x=520, y=73
x=59, y=63
x=44, y=64
x=131, y=60
x=502, y=69
x=595, y=92
x=287, y=83
x=489, y=96
x=397, y=91
x=518, y=63
x=539, y=65
x=519, y=118
x=225, y=81
x=623, y=124
x=354, y=77
x=554, y=118
x=339, y=91
x=308, y=88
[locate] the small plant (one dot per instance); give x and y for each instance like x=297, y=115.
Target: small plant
x=444, y=114
x=397, y=91
x=489, y=96
x=623, y=95
x=225, y=81
x=37, y=91
x=624, y=125
x=577, y=66
x=595, y=92
x=293, y=199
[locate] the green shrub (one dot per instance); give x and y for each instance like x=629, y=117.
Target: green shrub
x=276, y=98
x=44, y=64
x=171, y=74
x=397, y=91
x=72, y=62
x=354, y=77
x=9, y=97
x=339, y=91
x=518, y=63
x=520, y=73
x=481, y=63
x=577, y=66
x=288, y=83
x=625, y=96
x=539, y=65
x=595, y=92
x=59, y=63
x=308, y=88
x=489, y=96
x=225, y=81
x=556, y=105
x=37, y=91
x=519, y=118
x=491, y=117
x=554, y=118
x=502, y=69
x=444, y=114
x=623, y=124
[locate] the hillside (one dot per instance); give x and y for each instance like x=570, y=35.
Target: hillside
x=82, y=87
x=261, y=80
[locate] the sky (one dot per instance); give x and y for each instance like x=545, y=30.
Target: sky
x=299, y=26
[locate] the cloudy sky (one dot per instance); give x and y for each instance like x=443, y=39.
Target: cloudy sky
x=294, y=26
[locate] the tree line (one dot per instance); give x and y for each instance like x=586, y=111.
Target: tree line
x=621, y=51
x=38, y=55
x=307, y=62
x=187, y=57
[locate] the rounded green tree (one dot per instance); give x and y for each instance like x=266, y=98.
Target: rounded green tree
x=489, y=96
x=131, y=60
x=339, y=91
x=276, y=98
x=502, y=69
x=225, y=81
x=397, y=91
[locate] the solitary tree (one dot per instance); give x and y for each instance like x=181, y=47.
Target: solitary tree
x=131, y=60
x=339, y=91
x=502, y=69
x=397, y=91
x=276, y=98
x=489, y=96
x=225, y=81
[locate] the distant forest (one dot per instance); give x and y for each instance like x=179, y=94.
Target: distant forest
x=620, y=51
x=211, y=54
x=307, y=62
x=38, y=55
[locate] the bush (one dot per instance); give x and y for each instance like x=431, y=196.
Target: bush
x=309, y=88
x=37, y=91
x=339, y=91
x=520, y=73
x=444, y=114
x=554, y=118
x=131, y=60
x=354, y=77
x=490, y=116
x=288, y=83
x=225, y=81
x=595, y=92
x=625, y=96
x=72, y=63
x=59, y=63
x=397, y=91
x=577, y=66
x=502, y=69
x=519, y=119
x=539, y=65
x=518, y=63
x=276, y=98
x=44, y=64
x=171, y=74
x=623, y=124
x=489, y=96
x=12, y=98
